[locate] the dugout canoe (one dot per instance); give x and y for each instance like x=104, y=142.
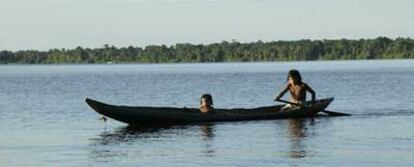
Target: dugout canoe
x=136, y=115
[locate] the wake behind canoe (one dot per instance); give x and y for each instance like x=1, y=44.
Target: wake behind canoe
x=135, y=115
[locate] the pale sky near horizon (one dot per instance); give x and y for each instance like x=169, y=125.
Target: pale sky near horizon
x=46, y=24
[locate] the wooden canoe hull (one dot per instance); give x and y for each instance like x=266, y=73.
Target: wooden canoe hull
x=169, y=115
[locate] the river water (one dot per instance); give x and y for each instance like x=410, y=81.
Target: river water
x=44, y=120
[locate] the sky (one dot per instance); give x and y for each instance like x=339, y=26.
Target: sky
x=48, y=24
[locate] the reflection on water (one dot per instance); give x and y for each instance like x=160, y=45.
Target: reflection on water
x=207, y=131
x=133, y=141
x=128, y=134
x=297, y=131
x=113, y=144
x=207, y=134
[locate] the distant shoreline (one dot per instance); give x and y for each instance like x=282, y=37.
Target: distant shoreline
x=235, y=62
x=275, y=51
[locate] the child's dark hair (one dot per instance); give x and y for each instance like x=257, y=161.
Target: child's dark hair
x=208, y=97
x=295, y=76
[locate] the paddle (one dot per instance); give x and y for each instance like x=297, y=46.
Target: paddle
x=325, y=111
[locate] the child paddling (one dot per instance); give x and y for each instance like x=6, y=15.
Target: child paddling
x=297, y=89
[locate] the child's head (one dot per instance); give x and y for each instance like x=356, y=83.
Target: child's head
x=206, y=99
x=294, y=77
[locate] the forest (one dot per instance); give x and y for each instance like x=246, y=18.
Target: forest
x=225, y=51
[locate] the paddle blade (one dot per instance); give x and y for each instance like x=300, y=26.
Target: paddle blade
x=335, y=113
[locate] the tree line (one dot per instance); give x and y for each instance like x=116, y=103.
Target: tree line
x=300, y=50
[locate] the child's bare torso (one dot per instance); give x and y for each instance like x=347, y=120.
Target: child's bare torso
x=297, y=92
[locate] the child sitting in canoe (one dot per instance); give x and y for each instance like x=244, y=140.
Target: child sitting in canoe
x=206, y=103
x=297, y=89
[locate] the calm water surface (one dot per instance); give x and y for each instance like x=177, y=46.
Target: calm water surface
x=44, y=120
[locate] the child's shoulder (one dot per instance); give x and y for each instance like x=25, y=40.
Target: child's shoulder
x=303, y=84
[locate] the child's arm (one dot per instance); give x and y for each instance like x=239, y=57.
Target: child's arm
x=310, y=90
x=282, y=92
